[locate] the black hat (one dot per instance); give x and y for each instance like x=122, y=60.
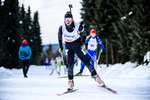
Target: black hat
x=68, y=15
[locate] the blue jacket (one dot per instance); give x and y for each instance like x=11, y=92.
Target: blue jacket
x=24, y=52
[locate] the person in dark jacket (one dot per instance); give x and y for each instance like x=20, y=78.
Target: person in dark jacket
x=24, y=55
x=75, y=35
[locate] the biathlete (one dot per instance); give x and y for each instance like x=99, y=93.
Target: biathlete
x=73, y=32
x=52, y=62
x=92, y=41
x=58, y=64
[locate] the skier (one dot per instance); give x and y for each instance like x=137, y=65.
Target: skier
x=58, y=64
x=52, y=63
x=47, y=63
x=73, y=32
x=92, y=41
x=42, y=61
x=24, y=55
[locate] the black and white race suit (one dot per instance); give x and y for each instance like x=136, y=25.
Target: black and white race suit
x=72, y=35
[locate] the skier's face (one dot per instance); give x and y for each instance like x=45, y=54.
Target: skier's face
x=93, y=34
x=68, y=21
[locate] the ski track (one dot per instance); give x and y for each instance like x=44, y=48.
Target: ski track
x=40, y=86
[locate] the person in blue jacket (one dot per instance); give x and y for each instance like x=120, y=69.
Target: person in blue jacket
x=92, y=41
x=24, y=55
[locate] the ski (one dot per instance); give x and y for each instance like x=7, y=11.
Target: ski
x=107, y=88
x=70, y=91
x=74, y=76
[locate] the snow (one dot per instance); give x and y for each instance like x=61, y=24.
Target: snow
x=130, y=82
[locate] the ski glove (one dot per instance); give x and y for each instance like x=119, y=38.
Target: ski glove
x=100, y=50
x=83, y=46
x=61, y=50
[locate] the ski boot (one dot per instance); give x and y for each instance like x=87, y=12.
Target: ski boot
x=51, y=73
x=98, y=79
x=26, y=76
x=58, y=73
x=79, y=73
x=70, y=85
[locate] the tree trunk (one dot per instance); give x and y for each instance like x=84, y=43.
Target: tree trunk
x=112, y=53
x=117, y=57
x=106, y=54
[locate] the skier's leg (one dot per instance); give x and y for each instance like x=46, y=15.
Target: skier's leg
x=81, y=69
x=23, y=62
x=59, y=68
x=27, y=64
x=70, y=60
x=93, y=54
x=46, y=66
x=85, y=60
x=82, y=66
x=53, y=70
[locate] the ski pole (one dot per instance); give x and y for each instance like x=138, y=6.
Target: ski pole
x=98, y=58
x=91, y=57
x=63, y=62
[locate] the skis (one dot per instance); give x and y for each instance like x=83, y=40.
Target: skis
x=107, y=88
x=74, y=76
x=70, y=91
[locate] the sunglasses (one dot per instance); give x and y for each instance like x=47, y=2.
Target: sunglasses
x=69, y=19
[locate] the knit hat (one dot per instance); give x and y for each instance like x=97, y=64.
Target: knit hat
x=93, y=31
x=24, y=41
x=68, y=14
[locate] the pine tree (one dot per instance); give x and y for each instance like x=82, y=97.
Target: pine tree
x=26, y=24
x=29, y=27
x=22, y=22
x=36, y=45
x=121, y=29
x=140, y=27
x=133, y=29
x=105, y=16
x=1, y=32
x=87, y=14
x=11, y=35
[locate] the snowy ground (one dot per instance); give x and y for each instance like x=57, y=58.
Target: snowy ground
x=131, y=83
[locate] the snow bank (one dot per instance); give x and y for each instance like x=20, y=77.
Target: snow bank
x=127, y=70
x=5, y=73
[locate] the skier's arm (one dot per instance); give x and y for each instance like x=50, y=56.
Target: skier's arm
x=60, y=36
x=83, y=34
x=87, y=40
x=30, y=52
x=100, y=42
